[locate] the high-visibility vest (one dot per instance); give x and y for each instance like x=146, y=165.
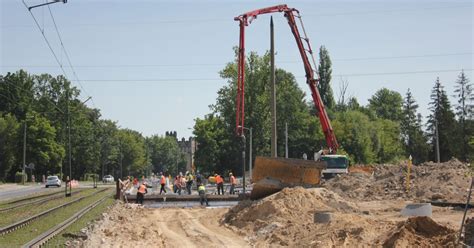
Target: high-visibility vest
x=163, y=180
x=219, y=179
x=142, y=189
x=201, y=188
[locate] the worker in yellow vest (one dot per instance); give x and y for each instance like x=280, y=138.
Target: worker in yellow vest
x=202, y=194
x=142, y=190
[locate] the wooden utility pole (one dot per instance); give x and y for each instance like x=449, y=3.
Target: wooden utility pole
x=273, y=92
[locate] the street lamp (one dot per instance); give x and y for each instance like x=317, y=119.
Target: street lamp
x=47, y=3
x=250, y=150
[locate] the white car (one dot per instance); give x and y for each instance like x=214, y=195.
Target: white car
x=108, y=179
x=53, y=181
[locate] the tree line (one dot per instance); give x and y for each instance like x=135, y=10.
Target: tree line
x=388, y=129
x=34, y=112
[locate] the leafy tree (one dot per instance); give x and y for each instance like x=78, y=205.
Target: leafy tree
x=442, y=120
x=9, y=130
x=165, y=154
x=132, y=150
x=465, y=112
x=16, y=94
x=386, y=140
x=109, y=147
x=387, y=104
x=42, y=148
x=354, y=135
x=414, y=140
x=325, y=71
x=211, y=138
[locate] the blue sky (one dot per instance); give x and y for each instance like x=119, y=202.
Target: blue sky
x=153, y=65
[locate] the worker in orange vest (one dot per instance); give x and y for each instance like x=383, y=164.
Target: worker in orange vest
x=220, y=184
x=233, y=182
x=162, y=182
x=141, y=193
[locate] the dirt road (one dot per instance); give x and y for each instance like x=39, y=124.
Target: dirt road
x=167, y=227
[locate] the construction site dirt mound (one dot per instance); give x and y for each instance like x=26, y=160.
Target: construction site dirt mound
x=428, y=182
x=420, y=232
x=286, y=218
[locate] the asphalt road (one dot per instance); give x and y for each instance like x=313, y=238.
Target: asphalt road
x=9, y=191
x=13, y=191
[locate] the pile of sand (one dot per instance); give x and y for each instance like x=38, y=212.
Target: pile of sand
x=419, y=232
x=286, y=218
x=429, y=181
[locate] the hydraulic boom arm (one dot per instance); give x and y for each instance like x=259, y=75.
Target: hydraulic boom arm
x=290, y=14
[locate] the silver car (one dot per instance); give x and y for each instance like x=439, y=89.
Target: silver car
x=108, y=179
x=53, y=181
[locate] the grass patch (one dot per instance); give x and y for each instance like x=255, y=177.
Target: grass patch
x=73, y=230
x=25, y=234
x=14, y=215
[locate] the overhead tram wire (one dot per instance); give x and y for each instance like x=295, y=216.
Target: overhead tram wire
x=223, y=64
x=217, y=20
x=46, y=39
x=300, y=77
x=67, y=56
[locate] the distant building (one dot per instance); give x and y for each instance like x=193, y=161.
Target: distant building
x=188, y=147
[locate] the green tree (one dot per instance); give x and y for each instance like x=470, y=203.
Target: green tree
x=386, y=140
x=16, y=94
x=132, y=150
x=387, y=104
x=42, y=148
x=9, y=130
x=465, y=113
x=166, y=155
x=441, y=119
x=325, y=74
x=211, y=138
x=355, y=136
x=414, y=139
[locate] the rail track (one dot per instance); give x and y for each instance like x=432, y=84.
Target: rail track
x=51, y=233
x=53, y=196
x=19, y=224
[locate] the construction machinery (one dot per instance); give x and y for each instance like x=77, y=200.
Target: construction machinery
x=264, y=166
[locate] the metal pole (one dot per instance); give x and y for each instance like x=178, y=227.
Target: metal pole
x=24, y=154
x=437, y=142
x=273, y=92
x=121, y=158
x=250, y=155
x=286, y=140
x=465, y=208
x=69, y=143
x=243, y=162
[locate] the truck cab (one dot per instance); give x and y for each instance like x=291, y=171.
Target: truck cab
x=336, y=164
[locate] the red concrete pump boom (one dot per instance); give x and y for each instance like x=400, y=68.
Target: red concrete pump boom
x=290, y=14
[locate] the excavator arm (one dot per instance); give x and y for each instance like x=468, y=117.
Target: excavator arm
x=291, y=14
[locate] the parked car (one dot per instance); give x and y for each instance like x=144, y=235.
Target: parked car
x=53, y=181
x=108, y=179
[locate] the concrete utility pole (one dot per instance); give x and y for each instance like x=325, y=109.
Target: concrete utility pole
x=437, y=143
x=250, y=155
x=24, y=153
x=286, y=140
x=69, y=146
x=243, y=161
x=273, y=92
